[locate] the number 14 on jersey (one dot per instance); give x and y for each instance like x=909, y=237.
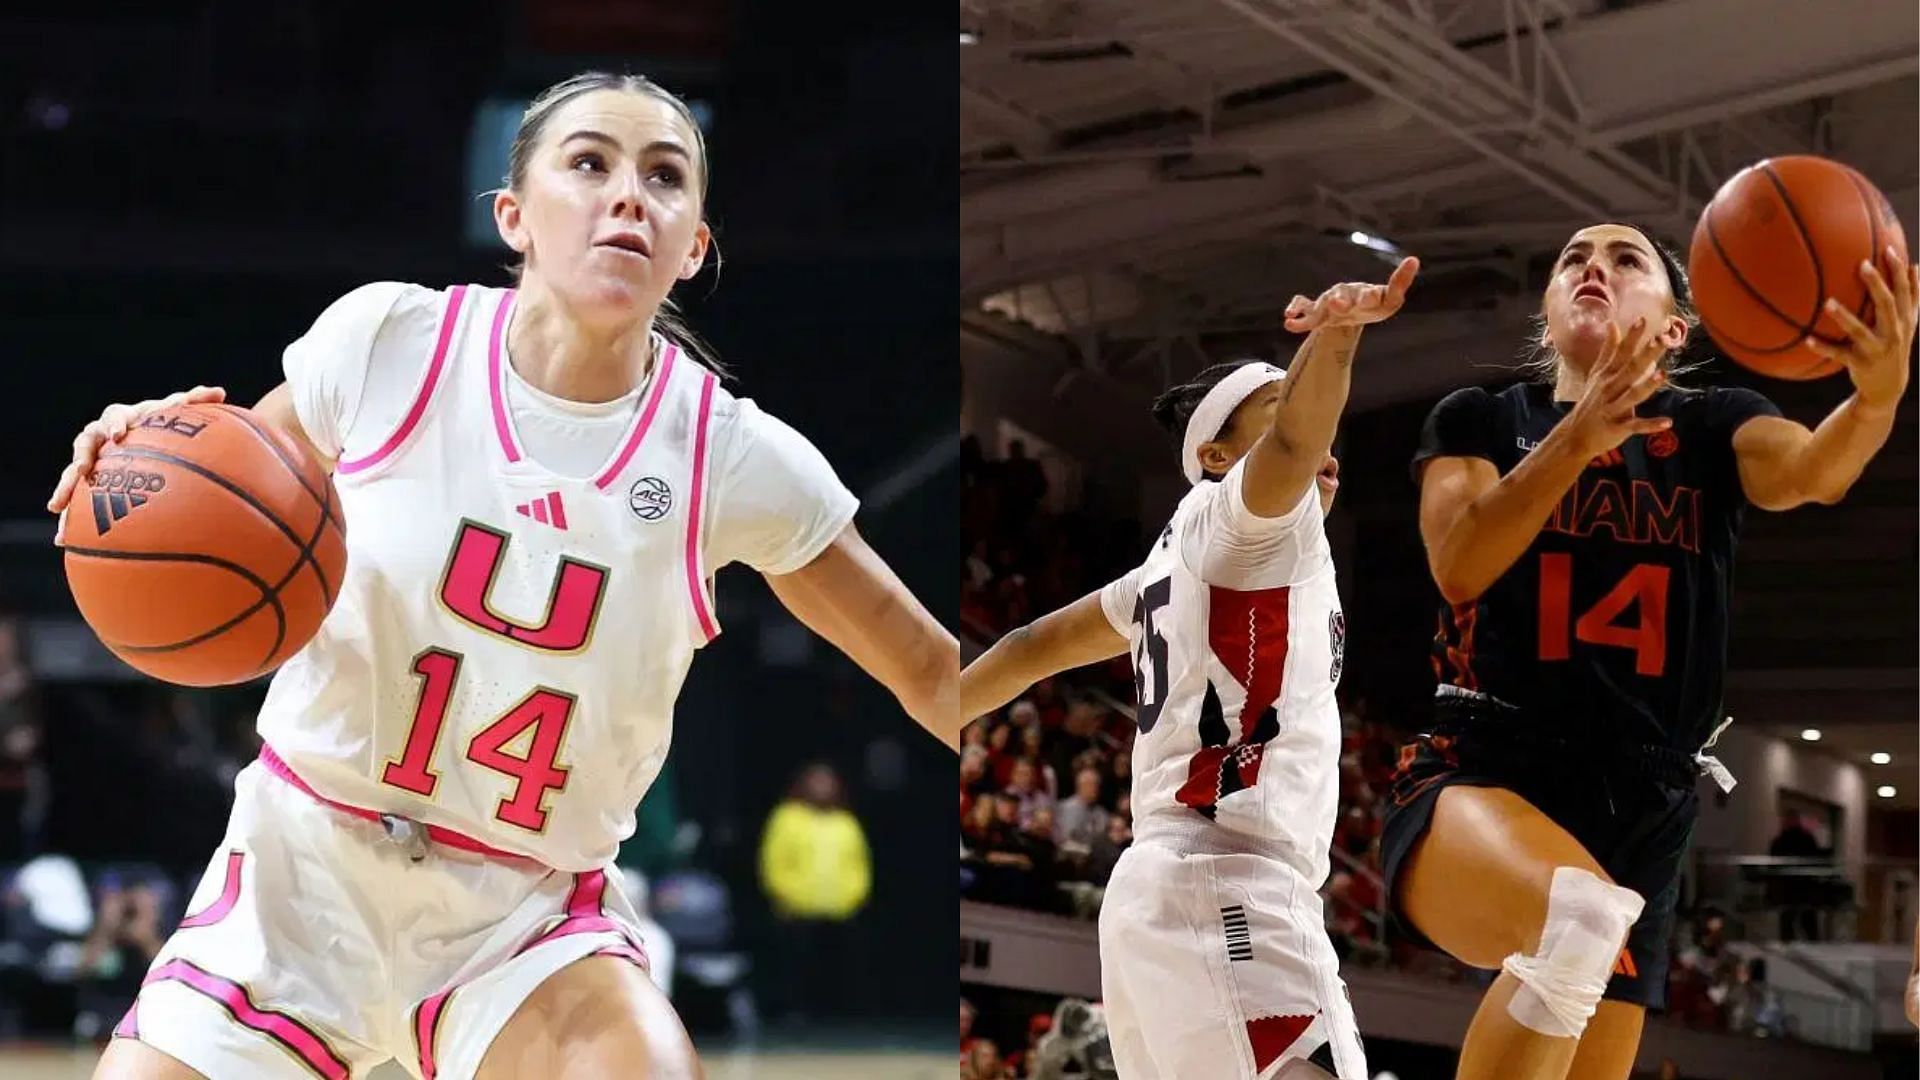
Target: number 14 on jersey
x=535, y=773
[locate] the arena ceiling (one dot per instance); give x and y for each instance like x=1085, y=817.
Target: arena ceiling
x=1144, y=183
x=1154, y=178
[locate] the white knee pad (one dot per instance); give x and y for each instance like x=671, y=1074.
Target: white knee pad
x=1587, y=924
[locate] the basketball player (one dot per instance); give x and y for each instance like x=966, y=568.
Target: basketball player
x=539, y=485
x=1214, y=958
x=1581, y=531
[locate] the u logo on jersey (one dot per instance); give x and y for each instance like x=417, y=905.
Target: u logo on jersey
x=573, y=604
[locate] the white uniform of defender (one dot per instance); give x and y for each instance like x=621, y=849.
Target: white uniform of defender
x=527, y=582
x=1214, y=956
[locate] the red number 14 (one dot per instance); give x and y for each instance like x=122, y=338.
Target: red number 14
x=543, y=710
x=1648, y=639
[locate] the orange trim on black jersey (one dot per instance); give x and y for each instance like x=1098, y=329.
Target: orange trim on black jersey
x=1460, y=657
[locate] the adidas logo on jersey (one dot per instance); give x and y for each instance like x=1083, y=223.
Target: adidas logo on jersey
x=119, y=492
x=547, y=511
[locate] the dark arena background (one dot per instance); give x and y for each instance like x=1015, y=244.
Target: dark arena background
x=1144, y=186
x=184, y=186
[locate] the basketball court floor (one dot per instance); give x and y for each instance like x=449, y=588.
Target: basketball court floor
x=721, y=1064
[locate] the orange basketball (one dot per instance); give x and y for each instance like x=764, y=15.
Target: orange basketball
x=1777, y=240
x=206, y=548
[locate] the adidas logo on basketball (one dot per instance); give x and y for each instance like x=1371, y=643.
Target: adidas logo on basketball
x=118, y=492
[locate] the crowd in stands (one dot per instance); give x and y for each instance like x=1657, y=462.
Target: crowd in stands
x=1710, y=986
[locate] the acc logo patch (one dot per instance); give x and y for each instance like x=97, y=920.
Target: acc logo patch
x=1337, y=635
x=650, y=498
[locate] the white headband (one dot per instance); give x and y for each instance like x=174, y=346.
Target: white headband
x=1214, y=409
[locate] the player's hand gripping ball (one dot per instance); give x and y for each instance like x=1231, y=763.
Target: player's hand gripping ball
x=1799, y=269
x=202, y=546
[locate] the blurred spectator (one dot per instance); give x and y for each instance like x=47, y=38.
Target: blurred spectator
x=1032, y=741
x=813, y=857
x=1753, y=1007
x=1037, y=838
x=1107, y=849
x=44, y=915
x=1795, y=894
x=974, y=781
x=967, y=1013
x=1026, y=791
x=134, y=917
x=1081, y=818
x=816, y=870
x=983, y=1063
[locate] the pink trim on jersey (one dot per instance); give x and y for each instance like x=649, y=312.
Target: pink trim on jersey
x=496, y=382
x=586, y=914
x=696, y=580
x=437, y=834
x=302, y=1041
x=455, y=296
x=426, y=1030
x=659, y=391
x=588, y=893
x=229, y=895
x=626, y=952
x=556, y=511
x=129, y=1025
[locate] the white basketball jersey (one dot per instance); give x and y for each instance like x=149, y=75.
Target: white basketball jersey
x=1237, y=636
x=508, y=643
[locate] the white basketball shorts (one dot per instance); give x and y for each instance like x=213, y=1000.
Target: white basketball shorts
x=1218, y=966
x=317, y=947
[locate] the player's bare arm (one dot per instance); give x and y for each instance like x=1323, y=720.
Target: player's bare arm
x=1783, y=464
x=1074, y=636
x=850, y=596
x=1475, y=523
x=1282, y=465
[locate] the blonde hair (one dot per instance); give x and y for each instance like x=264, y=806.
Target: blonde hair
x=533, y=125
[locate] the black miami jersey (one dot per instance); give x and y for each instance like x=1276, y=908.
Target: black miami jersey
x=1615, y=620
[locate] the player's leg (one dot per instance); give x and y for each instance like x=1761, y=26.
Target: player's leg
x=1648, y=860
x=555, y=985
x=599, y=1016
x=131, y=1059
x=1610, y=1043
x=1497, y=883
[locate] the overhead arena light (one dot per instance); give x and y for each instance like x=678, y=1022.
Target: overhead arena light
x=1881, y=757
x=969, y=37
x=1373, y=243
x=1811, y=734
x=1887, y=791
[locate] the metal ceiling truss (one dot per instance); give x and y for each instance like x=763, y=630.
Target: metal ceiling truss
x=1520, y=122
